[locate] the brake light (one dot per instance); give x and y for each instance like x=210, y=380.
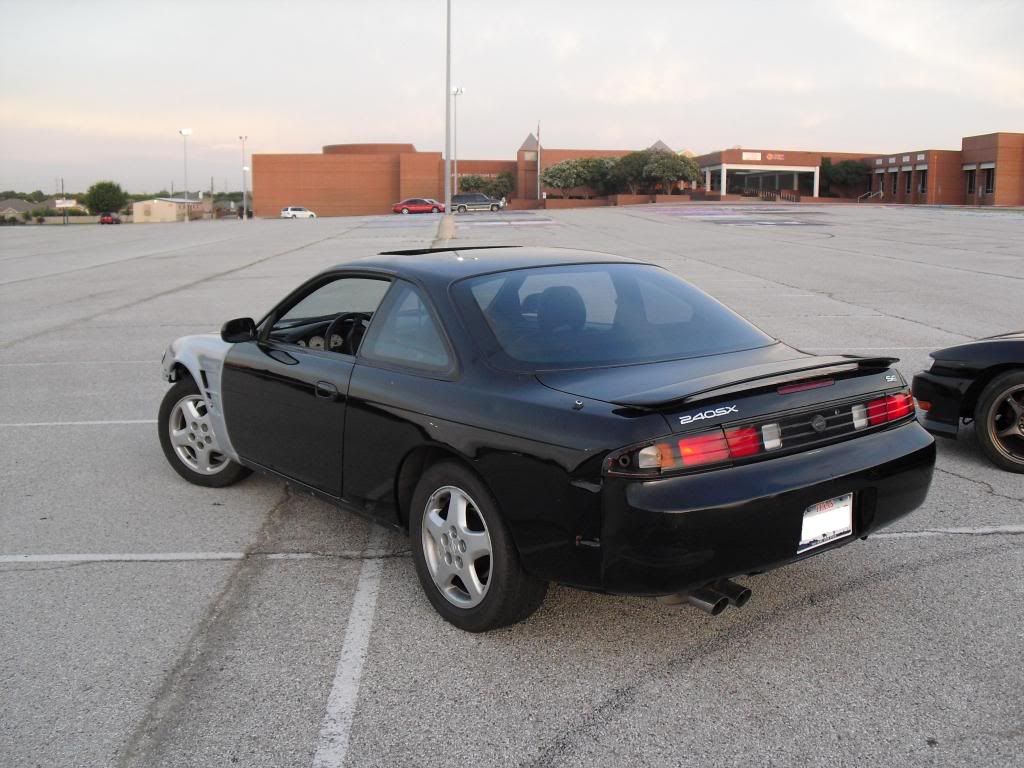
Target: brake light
x=744, y=441
x=889, y=408
x=801, y=386
x=703, y=449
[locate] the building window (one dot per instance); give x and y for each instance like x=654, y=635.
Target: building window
x=895, y=183
x=910, y=176
x=970, y=182
x=922, y=178
x=990, y=180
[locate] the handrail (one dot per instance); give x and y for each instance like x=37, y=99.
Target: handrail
x=868, y=195
x=790, y=195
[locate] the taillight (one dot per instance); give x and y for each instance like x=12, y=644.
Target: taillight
x=716, y=446
x=708, y=448
x=889, y=408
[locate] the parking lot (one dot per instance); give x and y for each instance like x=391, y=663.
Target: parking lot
x=149, y=622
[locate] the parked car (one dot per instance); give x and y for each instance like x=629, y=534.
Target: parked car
x=109, y=218
x=474, y=201
x=537, y=414
x=980, y=381
x=297, y=212
x=418, y=205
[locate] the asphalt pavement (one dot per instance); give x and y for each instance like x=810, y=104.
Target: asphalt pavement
x=148, y=622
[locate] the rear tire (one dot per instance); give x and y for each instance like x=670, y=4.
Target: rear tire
x=188, y=441
x=405, y=211
x=461, y=209
x=494, y=208
x=464, y=556
x=999, y=421
x=434, y=209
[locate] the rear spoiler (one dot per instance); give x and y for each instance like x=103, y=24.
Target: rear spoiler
x=754, y=377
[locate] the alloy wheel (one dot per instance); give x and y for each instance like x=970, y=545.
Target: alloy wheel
x=1006, y=423
x=457, y=546
x=192, y=437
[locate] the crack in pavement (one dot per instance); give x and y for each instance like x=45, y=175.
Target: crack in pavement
x=149, y=732
x=185, y=286
x=990, y=488
x=723, y=642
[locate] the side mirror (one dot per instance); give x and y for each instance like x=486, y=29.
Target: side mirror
x=238, y=330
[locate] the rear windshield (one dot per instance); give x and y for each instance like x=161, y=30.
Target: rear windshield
x=590, y=315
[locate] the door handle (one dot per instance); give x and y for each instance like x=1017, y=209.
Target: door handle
x=326, y=390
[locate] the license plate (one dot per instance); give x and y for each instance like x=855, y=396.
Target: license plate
x=825, y=522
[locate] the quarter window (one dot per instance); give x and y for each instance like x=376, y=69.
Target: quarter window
x=405, y=333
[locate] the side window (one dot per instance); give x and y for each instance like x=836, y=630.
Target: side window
x=406, y=333
x=346, y=294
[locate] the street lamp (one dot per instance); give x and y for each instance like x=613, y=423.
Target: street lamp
x=245, y=213
x=185, y=133
x=455, y=138
x=245, y=197
x=448, y=111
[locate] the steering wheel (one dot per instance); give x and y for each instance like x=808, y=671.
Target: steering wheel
x=356, y=319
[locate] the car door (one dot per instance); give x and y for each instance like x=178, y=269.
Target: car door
x=404, y=363
x=285, y=393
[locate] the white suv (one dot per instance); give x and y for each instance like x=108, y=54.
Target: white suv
x=297, y=212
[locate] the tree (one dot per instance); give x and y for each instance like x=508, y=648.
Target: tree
x=472, y=183
x=628, y=171
x=36, y=197
x=562, y=176
x=105, y=196
x=848, y=173
x=502, y=185
x=666, y=168
x=596, y=173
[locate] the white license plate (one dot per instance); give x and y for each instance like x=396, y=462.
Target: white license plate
x=826, y=521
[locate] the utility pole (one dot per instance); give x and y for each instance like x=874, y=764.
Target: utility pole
x=455, y=139
x=64, y=211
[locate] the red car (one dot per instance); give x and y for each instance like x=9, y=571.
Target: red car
x=109, y=218
x=418, y=205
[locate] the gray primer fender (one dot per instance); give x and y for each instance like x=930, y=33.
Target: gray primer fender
x=203, y=355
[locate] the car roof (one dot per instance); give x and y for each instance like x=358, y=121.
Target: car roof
x=445, y=265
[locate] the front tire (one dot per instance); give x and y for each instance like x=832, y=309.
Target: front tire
x=494, y=208
x=461, y=209
x=188, y=441
x=405, y=211
x=464, y=556
x=999, y=420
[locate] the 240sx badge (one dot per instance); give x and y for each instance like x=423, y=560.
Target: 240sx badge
x=709, y=414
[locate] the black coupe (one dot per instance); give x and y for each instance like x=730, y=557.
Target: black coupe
x=980, y=381
x=533, y=415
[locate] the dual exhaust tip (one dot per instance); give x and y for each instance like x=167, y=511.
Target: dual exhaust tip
x=713, y=598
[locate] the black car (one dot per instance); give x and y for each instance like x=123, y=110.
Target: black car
x=980, y=381
x=533, y=415
x=474, y=201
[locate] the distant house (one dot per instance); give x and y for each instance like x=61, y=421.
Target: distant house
x=164, y=209
x=14, y=206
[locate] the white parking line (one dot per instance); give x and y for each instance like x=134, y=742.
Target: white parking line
x=159, y=557
x=336, y=727
x=995, y=530
x=75, y=423
x=81, y=362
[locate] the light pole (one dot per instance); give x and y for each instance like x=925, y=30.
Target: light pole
x=455, y=139
x=448, y=112
x=245, y=196
x=245, y=170
x=185, y=133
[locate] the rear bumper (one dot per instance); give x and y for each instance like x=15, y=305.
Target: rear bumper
x=945, y=393
x=670, y=535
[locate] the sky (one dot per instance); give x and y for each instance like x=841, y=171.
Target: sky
x=92, y=92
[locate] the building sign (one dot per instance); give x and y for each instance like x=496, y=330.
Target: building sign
x=751, y=155
x=775, y=156
x=64, y=203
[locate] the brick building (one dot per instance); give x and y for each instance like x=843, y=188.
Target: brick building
x=357, y=179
